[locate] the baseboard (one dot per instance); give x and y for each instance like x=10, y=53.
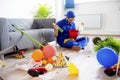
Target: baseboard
x=115, y=35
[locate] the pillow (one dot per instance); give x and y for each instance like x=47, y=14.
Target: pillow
x=34, y=25
x=43, y=23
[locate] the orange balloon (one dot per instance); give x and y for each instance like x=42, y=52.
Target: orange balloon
x=49, y=51
x=50, y=60
x=37, y=55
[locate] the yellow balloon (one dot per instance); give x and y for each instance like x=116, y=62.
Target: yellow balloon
x=72, y=68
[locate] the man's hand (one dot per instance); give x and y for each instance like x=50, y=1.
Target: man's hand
x=82, y=24
x=55, y=26
x=56, y=29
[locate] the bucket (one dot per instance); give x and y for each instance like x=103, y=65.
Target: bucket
x=73, y=34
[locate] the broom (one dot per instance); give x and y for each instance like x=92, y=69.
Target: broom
x=30, y=37
x=48, y=50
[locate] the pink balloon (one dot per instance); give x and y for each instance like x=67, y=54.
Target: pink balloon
x=49, y=51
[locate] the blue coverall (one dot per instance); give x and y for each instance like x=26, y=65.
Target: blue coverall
x=82, y=42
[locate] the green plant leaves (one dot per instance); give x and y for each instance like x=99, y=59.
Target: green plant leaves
x=44, y=11
x=108, y=42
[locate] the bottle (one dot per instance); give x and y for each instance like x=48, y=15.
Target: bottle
x=59, y=29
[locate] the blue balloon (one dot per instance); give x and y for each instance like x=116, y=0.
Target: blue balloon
x=107, y=57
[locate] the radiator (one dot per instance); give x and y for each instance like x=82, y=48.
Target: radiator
x=89, y=20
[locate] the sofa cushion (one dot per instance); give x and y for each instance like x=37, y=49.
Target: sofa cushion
x=24, y=42
x=23, y=24
x=43, y=23
x=48, y=34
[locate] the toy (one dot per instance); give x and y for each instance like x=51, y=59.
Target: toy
x=49, y=67
x=20, y=55
x=61, y=61
x=110, y=71
x=107, y=57
x=115, y=69
x=34, y=72
x=50, y=60
x=44, y=62
x=73, y=69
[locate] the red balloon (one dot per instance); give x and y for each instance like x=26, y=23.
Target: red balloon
x=49, y=51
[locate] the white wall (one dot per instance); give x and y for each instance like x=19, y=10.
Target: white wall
x=110, y=16
x=21, y=8
x=110, y=11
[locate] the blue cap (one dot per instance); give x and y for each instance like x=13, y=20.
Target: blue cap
x=70, y=14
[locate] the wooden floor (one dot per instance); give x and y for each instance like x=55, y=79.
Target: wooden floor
x=85, y=60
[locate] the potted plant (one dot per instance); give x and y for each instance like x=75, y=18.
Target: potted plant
x=108, y=42
x=43, y=11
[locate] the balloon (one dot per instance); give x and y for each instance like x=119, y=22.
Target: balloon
x=37, y=55
x=72, y=68
x=107, y=57
x=49, y=51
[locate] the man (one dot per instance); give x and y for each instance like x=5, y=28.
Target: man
x=63, y=38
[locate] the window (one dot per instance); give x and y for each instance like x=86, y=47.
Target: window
x=69, y=4
x=82, y=1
